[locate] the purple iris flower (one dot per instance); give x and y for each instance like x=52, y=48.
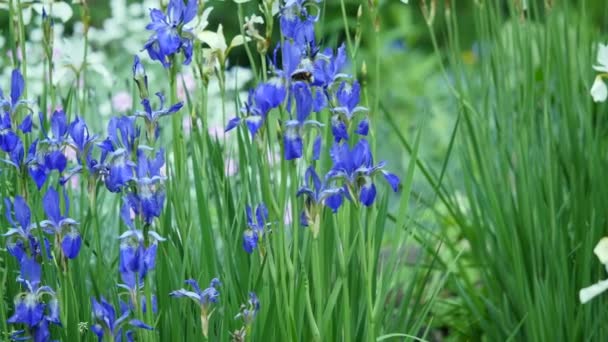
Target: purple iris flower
x=149, y=198
x=20, y=235
x=13, y=103
x=170, y=36
x=347, y=96
x=81, y=139
x=356, y=168
x=117, y=150
x=296, y=23
x=30, y=308
x=205, y=297
x=8, y=138
x=261, y=100
x=317, y=193
x=63, y=227
x=108, y=324
x=151, y=116
x=135, y=259
x=294, y=129
x=256, y=227
x=328, y=67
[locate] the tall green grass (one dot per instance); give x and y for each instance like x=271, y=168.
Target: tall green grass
x=530, y=148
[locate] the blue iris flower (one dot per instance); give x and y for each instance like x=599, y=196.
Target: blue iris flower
x=62, y=227
x=294, y=129
x=59, y=129
x=107, y=323
x=151, y=117
x=8, y=138
x=135, y=260
x=20, y=235
x=34, y=163
x=356, y=168
x=170, y=36
x=296, y=23
x=13, y=103
x=256, y=227
x=260, y=101
x=81, y=139
x=205, y=297
x=30, y=307
x=149, y=198
x=328, y=67
x=117, y=148
x=318, y=192
x=347, y=97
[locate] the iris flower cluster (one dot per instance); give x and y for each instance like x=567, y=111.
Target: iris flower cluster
x=37, y=306
x=309, y=80
x=120, y=161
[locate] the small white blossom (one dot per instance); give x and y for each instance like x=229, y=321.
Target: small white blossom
x=598, y=91
x=602, y=58
x=588, y=293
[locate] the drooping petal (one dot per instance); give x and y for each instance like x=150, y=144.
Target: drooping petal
x=17, y=86
x=139, y=324
x=22, y=212
x=254, y=123
x=392, y=179
x=50, y=203
x=592, y=291
x=363, y=127
x=70, y=244
x=334, y=202
x=338, y=129
x=234, y=122
x=250, y=241
x=368, y=194
x=26, y=124
x=293, y=143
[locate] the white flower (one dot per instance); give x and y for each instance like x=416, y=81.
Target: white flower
x=599, y=92
x=249, y=26
x=218, y=49
x=592, y=291
x=602, y=58
x=601, y=251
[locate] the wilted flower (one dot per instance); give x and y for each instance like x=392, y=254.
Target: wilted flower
x=256, y=227
x=250, y=311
